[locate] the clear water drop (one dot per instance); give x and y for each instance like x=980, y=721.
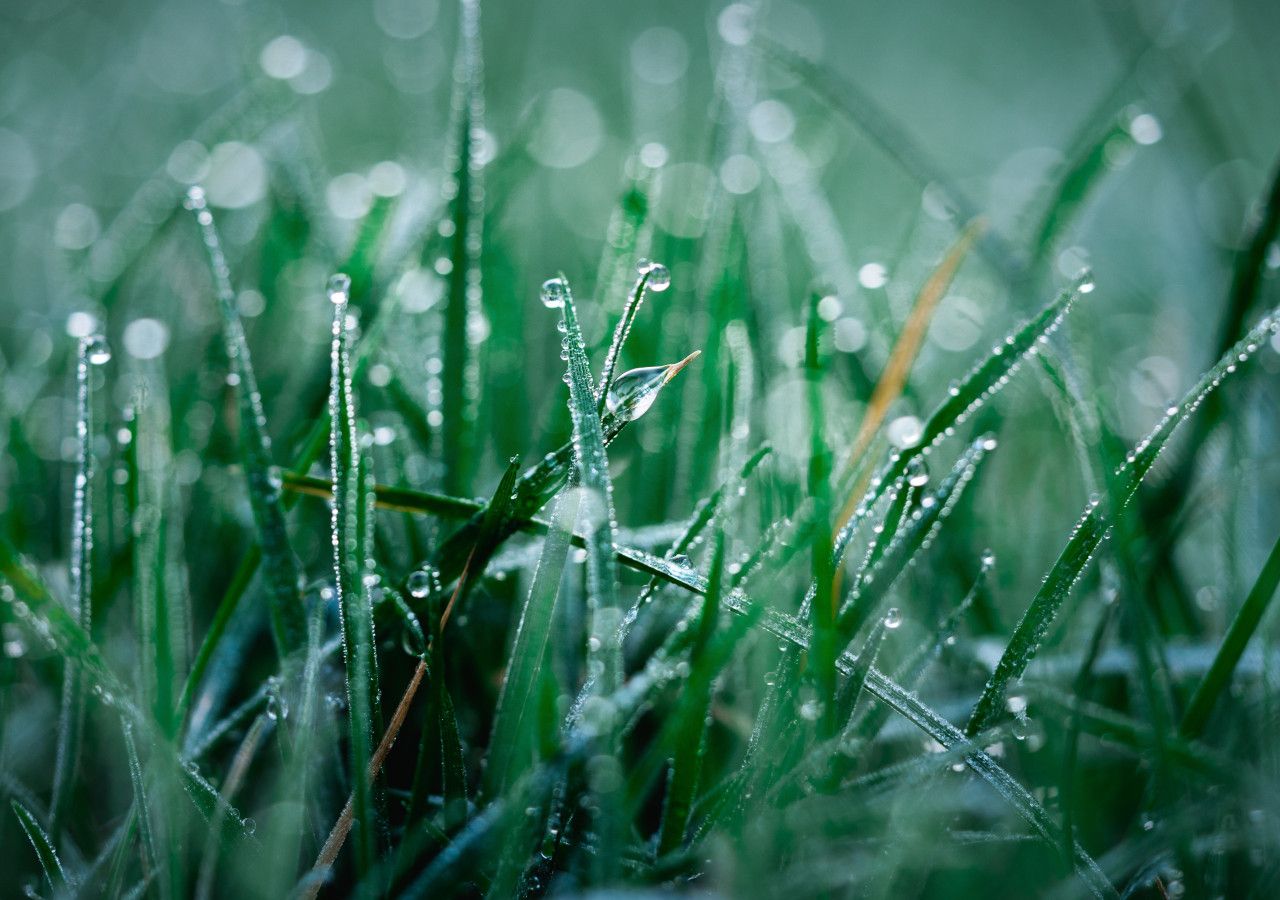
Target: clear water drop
x=419, y=583
x=339, y=287
x=633, y=392
x=917, y=472
x=554, y=292
x=892, y=617
x=659, y=277
x=988, y=557
x=96, y=350
x=1085, y=282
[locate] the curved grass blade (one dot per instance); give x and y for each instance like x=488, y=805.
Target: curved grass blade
x=40, y=842
x=288, y=627
x=1242, y=628
x=1094, y=525
x=90, y=351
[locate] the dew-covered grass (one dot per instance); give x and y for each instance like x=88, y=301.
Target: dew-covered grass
x=771, y=501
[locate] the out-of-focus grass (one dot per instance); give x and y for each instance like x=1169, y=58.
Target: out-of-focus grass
x=811, y=612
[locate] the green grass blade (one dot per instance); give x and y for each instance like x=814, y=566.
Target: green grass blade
x=652, y=277
x=349, y=560
x=462, y=310
x=141, y=805
x=1241, y=630
x=604, y=653
x=90, y=352
x=511, y=744
x=976, y=388
x=281, y=575
x=690, y=739
x=1094, y=525
x=40, y=842
x=919, y=532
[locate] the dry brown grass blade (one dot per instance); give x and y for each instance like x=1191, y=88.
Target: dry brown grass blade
x=894, y=377
x=338, y=836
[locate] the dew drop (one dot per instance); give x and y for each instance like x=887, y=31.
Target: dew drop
x=1085, y=282
x=659, y=277
x=988, y=558
x=96, y=350
x=892, y=617
x=554, y=292
x=339, y=287
x=419, y=583
x=917, y=472
x=633, y=392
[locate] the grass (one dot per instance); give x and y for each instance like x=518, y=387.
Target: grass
x=740, y=619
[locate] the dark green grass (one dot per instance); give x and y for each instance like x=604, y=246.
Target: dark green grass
x=708, y=631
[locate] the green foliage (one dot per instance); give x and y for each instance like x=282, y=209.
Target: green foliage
x=729, y=627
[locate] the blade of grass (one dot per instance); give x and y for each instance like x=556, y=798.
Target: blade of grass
x=462, y=310
x=1094, y=525
x=40, y=842
x=288, y=627
x=1239, y=632
x=90, y=351
x=349, y=561
x=511, y=744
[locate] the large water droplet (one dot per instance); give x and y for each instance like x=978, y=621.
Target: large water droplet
x=554, y=292
x=659, y=277
x=633, y=392
x=892, y=617
x=339, y=287
x=96, y=350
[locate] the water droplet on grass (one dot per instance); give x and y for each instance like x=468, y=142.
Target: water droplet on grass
x=554, y=292
x=419, y=583
x=917, y=472
x=96, y=350
x=892, y=617
x=338, y=288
